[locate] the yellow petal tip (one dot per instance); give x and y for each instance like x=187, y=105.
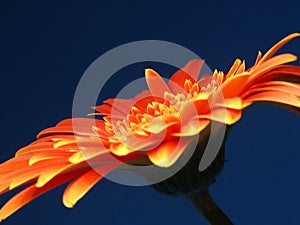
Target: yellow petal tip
x=12, y=186
x=150, y=72
x=76, y=158
x=69, y=205
x=297, y=34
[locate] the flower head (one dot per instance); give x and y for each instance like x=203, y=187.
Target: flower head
x=154, y=127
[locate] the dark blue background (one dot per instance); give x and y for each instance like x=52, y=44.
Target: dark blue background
x=45, y=48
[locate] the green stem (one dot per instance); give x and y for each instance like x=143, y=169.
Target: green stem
x=209, y=209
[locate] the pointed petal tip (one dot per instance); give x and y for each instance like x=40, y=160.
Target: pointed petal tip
x=32, y=161
x=40, y=183
x=156, y=83
x=2, y=217
x=12, y=186
x=150, y=72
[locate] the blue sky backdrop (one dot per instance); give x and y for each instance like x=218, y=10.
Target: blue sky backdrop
x=45, y=47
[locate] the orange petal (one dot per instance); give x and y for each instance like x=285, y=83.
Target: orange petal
x=109, y=110
x=234, y=67
x=274, y=96
x=232, y=87
x=51, y=172
x=83, y=122
x=7, y=179
x=223, y=115
x=143, y=94
x=281, y=72
x=135, y=143
x=33, y=148
x=65, y=130
x=271, y=63
x=159, y=124
x=276, y=47
x=80, y=186
x=167, y=153
x=193, y=127
x=116, y=108
x=192, y=109
x=280, y=86
x=87, y=155
x=79, y=126
x=54, y=154
x=20, y=200
x=232, y=103
x=218, y=77
x=190, y=72
x=14, y=164
x=24, y=177
x=193, y=68
x=156, y=84
x=30, y=193
x=205, y=80
x=236, y=85
x=120, y=149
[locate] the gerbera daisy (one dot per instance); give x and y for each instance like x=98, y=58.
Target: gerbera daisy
x=161, y=126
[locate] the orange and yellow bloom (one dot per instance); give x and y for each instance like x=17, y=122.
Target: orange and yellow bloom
x=154, y=127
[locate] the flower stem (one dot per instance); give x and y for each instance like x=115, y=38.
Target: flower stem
x=209, y=209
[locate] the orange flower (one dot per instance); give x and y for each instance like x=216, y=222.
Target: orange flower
x=155, y=127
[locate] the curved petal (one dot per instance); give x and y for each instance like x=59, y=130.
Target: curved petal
x=234, y=67
x=232, y=103
x=276, y=47
x=14, y=164
x=192, y=109
x=282, y=72
x=26, y=176
x=133, y=144
x=272, y=63
x=31, y=192
x=81, y=185
x=280, y=86
x=156, y=84
x=193, y=127
x=49, y=173
x=223, y=115
x=234, y=86
x=167, y=153
x=274, y=96
x=120, y=149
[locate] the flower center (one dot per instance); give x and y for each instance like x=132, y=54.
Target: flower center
x=138, y=122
